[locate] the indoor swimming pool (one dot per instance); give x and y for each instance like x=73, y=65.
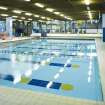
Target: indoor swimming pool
x=62, y=67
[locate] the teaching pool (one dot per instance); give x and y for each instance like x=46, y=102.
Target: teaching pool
x=63, y=67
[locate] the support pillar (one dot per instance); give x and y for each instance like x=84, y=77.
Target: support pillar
x=65, y=26
x=9, y=26
x=103, y=26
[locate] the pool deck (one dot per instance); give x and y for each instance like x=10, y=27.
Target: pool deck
x=17, y=39
x=101, y=59
x=75, y=36
x=13, y=96
x=9, y=96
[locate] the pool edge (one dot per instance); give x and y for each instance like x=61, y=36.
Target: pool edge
x=50, y=98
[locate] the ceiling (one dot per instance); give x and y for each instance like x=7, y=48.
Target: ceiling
x=75, y=9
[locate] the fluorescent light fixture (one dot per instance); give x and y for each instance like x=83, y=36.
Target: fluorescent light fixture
x=19, y=20
x=68, y=18
x=36, y=16
x=17, y=11
x=3, y=8
x=27, y=0
x=39, y=5
x=62, y=15
x=14, y=16
x=30, y=19
x=49, y=9
x=23, y=18
x=56, y=13
x=5, y=15
x=43, y=17
x=90, y=15
x=48, y=18
x=28, y=14
x=87, y=2
x=65, y=17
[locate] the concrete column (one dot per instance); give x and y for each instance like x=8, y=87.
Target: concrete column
x=103, y=26
x=65, y=27
x=9, y=26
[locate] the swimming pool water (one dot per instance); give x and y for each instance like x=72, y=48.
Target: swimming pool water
x=62, y=67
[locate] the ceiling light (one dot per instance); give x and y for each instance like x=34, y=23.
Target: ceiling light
x=30, y=19
x=27, y=0
x=3, y=8
x=23, y=18
x=68, y=18
x=87, y=2
x=28, y=14
x=43, y=17
x=39, y=5
x=5, y=15
x=17, y=11
x=36, y=16
x=48, y=18
x=14, y=16
x=40, y=20
x=50, y=9
x=62, y=15
x=57, y=13
x=19, y=20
